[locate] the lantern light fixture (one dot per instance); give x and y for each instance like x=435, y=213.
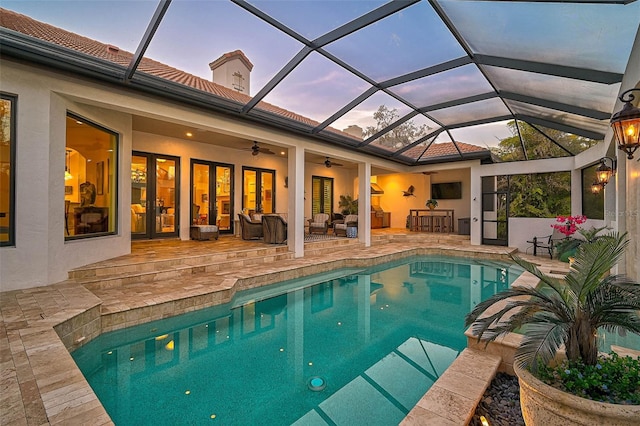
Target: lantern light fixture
x=626, y=125
x=604, y=172
x=596, y=187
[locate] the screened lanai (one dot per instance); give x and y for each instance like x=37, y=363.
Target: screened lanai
x=454, y=70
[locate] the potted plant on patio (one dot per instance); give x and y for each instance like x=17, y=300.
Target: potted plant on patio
x=567, y=314
x=432, y=203
x=348, y=205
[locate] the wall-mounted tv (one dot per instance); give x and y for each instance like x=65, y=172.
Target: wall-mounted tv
x=446, y=191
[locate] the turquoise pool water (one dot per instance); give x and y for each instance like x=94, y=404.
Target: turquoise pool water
x=350, y=347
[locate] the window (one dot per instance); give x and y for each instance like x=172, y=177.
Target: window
x=90, y=189
x=540, y=194
x=7, y=169
x=592, y=204
x=321, y=195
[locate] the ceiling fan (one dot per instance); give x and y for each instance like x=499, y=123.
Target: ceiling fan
x=328, y=163
x=256, y=149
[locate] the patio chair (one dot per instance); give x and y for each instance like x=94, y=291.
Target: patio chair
x=350, y=221
x=319, y=224
x=546, y=242
x=250, y=229
x=274, y=228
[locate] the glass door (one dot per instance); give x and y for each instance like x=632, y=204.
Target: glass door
x=211, y=195
x=495, y=210
x=258, y=190
x=154, y=194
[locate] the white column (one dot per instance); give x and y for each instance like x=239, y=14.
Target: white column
x=295, y=223
x=364, y=203
x=576, y=192
x=476, y=205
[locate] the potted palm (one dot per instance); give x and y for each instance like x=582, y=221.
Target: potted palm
x=566, y=314
x=348, y=205
x=432, y=203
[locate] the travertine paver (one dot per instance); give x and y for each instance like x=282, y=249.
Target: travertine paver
x=41, y=384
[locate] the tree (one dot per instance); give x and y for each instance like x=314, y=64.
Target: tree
x=401, y=136
x=539, y=194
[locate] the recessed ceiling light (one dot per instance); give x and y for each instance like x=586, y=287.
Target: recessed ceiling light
x=79, y=122
x=189, y=134
x=281, y=152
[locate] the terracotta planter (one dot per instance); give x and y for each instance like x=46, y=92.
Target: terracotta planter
x=545, y=405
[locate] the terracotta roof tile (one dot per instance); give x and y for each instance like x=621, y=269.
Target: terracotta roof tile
x=442, y=149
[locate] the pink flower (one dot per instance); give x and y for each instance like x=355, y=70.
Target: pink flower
x=569, y=224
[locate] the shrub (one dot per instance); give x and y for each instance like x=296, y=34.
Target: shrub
x=613, y=379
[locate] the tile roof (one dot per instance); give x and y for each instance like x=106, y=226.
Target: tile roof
x=442, y=149
x=49, y=33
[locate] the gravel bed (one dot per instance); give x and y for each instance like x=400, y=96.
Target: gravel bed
x=500, y=404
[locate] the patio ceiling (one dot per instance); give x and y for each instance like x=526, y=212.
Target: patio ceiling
x=442, y=65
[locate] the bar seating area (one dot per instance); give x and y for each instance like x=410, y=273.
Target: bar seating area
x=431, y=220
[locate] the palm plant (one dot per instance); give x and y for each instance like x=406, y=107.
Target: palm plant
x=348, y=205
x=565, y=311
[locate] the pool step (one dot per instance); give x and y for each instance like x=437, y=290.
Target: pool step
x=130, y=270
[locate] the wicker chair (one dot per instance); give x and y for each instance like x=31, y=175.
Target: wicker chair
x=250, y=229
x=319, y=224
x=350, y=221
x=274, y=228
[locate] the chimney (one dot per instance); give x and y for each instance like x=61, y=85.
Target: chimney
x=355, y=131
x=233, y=70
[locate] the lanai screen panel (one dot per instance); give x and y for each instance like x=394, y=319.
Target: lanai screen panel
x=582, y=35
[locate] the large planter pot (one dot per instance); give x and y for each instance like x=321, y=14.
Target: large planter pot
x=545, y=405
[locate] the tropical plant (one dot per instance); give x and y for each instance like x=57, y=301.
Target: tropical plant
x=432, y=203
x=565, y=311
x=567, y=246
x=348, y=205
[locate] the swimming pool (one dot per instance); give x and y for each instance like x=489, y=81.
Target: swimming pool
x=349, y=347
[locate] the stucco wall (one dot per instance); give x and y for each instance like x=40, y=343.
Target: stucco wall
x=41, y=256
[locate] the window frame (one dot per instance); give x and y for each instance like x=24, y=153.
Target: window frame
x=114, y=186
x=13, y=99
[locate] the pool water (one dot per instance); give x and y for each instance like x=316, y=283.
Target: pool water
x=350, y=347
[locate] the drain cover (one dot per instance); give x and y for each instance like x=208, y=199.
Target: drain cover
x=316, y=384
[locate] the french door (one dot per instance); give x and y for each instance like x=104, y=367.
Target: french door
x=212, y=194
x=155, y=189
x=258, y=190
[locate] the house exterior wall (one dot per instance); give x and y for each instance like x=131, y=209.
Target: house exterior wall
x=41, y=256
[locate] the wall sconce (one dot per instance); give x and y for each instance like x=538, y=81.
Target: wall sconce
x=604, y=172
x=596, y=187
x=626, y=125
